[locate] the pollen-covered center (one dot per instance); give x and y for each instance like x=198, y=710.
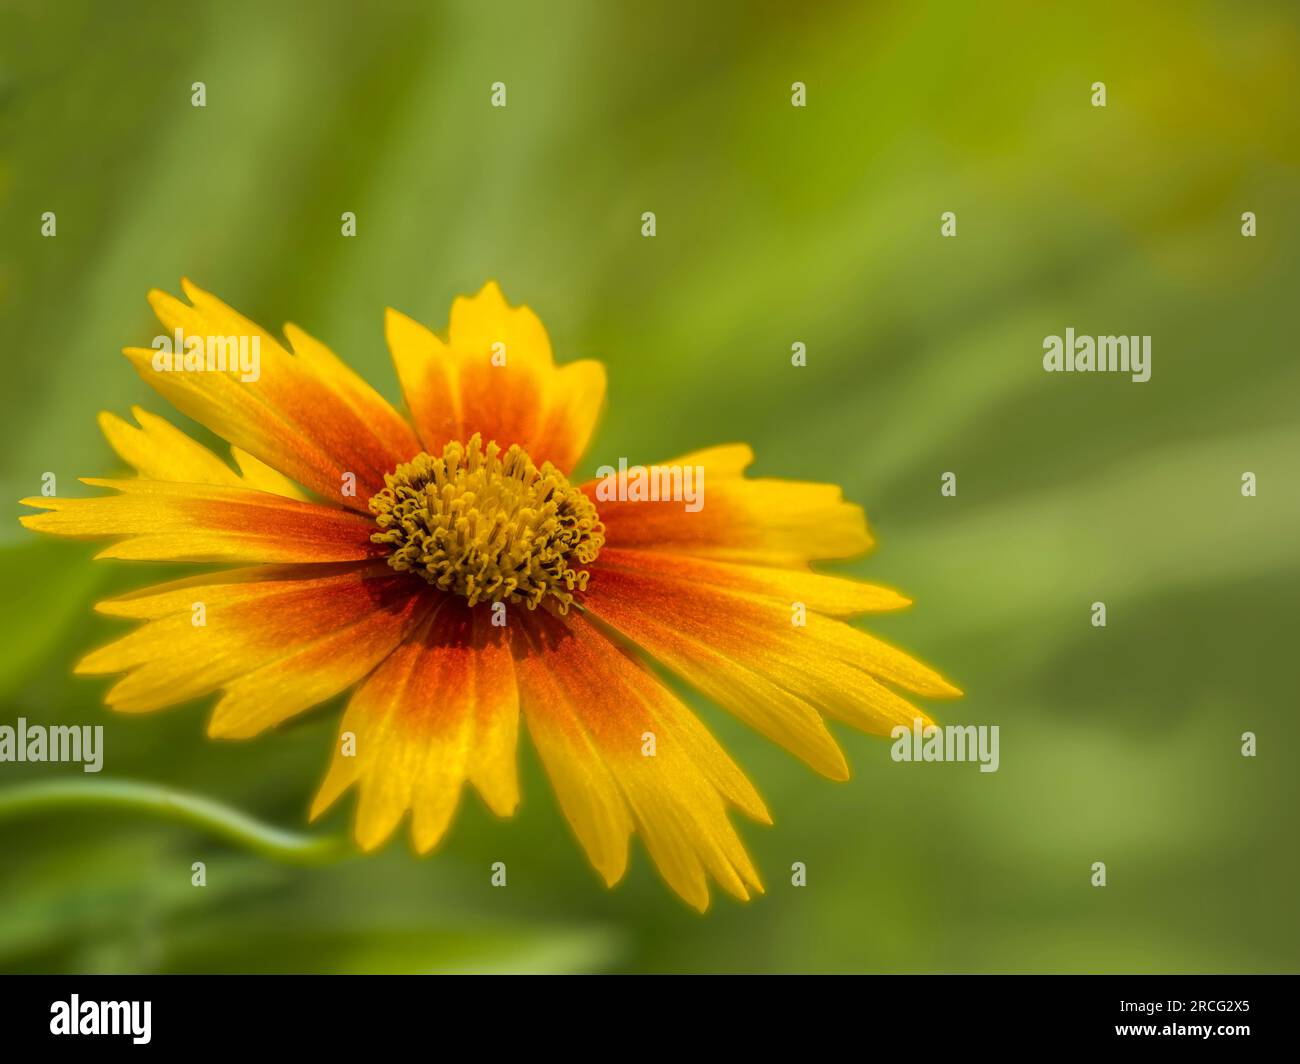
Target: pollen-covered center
x=488, y=525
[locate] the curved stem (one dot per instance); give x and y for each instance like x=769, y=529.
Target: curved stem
x=221, y=820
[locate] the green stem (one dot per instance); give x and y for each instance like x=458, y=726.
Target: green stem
x=221, y=820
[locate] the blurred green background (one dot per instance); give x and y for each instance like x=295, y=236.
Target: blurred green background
x=775, y=225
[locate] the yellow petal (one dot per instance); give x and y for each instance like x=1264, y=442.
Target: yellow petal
x=833, y=596
x=747, y=521
x=260, y=476
x=743, y=650
x=157, y=450
x=207, y=632
x=495, y=375
x=303, y=677
x=442, y=708
x=165, y=521
x=305, y=414
x=622, y=752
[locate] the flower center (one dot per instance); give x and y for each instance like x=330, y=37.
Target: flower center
x=488, y=525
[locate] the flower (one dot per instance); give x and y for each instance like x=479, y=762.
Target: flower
x=448, y=572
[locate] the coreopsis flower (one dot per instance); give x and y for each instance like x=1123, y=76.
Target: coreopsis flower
x=446, y=570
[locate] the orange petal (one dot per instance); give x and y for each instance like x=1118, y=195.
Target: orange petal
x=306, y=415
x=442, y=709
x=743, y=650
x=622, y=752
x=163, y=521
x=750, y=521
x=313, y=672
x=833, y=596
x=311, y=627
x=495, y=375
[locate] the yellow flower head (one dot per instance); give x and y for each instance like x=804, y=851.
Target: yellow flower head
x=447, y=570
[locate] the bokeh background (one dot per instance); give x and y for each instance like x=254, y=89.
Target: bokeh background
x=775, y=225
